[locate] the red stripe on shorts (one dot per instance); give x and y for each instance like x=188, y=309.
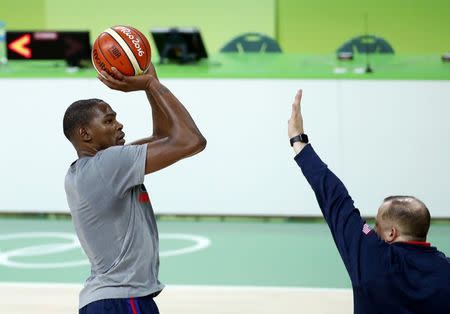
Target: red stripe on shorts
x=133, y=306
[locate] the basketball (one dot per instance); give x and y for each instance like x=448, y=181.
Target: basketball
x=122, y=47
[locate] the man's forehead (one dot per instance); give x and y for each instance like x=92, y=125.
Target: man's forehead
x=104, y=108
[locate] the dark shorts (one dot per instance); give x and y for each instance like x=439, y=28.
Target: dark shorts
x=140, y=305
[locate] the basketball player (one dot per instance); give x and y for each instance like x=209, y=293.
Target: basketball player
x=392, y=268
x=110, y=207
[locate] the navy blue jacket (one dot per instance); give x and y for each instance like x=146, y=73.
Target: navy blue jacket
x=398, y=278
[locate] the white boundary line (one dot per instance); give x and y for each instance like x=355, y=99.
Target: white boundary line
x=193, y=287
x=200, y=243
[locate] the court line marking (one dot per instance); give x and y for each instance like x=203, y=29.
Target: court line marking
x=193, y=287
x=6, y=256
x=200, y=243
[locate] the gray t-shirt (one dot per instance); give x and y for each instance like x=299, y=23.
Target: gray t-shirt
x=115, y=223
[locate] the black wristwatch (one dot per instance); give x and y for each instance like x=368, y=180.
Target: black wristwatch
x=302, y=138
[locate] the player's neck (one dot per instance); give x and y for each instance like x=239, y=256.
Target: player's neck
x=86, y=152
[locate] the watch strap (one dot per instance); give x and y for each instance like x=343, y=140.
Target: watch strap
x=302, y=138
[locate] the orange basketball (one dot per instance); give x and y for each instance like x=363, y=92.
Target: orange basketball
x=122, y=47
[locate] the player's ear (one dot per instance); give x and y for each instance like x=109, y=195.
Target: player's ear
x=84, y=134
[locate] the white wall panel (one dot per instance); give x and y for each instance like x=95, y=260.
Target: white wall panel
x=380, y=137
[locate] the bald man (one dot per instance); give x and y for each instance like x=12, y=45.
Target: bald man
x=402, y=219
x=392, y=270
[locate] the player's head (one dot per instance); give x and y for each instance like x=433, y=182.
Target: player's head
x=402, y=218
x=92, y=123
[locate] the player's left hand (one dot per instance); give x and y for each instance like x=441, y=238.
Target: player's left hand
x=118, y=81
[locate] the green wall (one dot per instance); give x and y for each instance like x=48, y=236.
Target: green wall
x=26, y=14
x=307, y=26
x=218, y=21
x=321, y=26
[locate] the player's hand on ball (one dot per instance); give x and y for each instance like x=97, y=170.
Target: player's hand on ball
x=118, y=81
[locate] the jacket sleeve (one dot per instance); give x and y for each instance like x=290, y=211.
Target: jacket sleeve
x=354, y=239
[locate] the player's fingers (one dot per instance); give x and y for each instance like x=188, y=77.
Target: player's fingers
x=108, y=80
x=119, y=76
x=101, y=76
x=106, y=76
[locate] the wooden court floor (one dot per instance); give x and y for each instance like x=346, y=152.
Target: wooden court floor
x=63, y=299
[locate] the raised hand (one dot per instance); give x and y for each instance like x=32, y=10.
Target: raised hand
x=295, y=123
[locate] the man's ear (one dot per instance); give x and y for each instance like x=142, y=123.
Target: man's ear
x=392, y=235
x=84, y=134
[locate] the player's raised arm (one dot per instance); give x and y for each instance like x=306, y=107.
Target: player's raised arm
x=177, y=135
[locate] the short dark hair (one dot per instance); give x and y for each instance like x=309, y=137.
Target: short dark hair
x=77, y=114
x=411, y=215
